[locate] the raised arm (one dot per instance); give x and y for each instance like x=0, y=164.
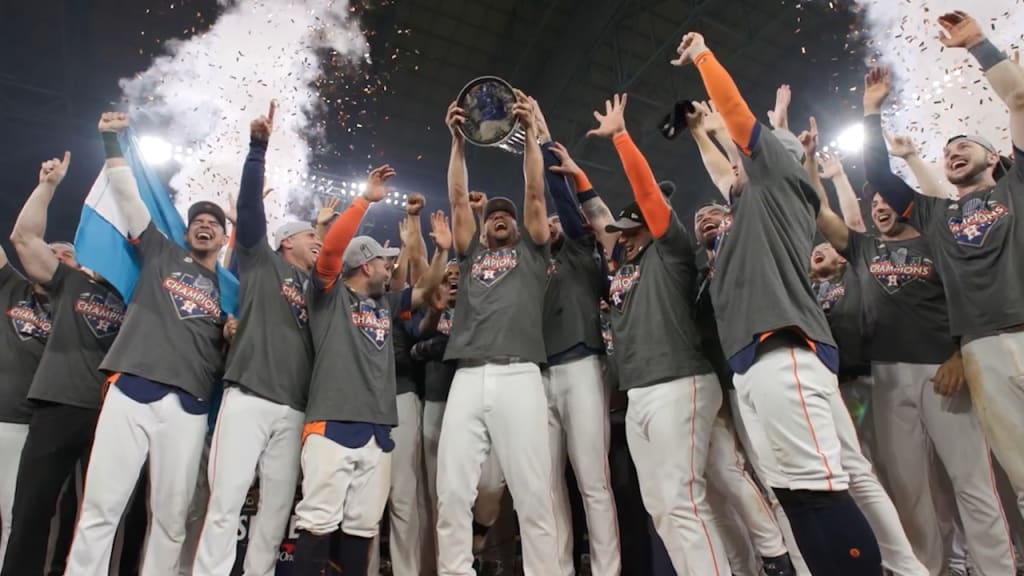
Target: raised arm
x=328, y=263
x=458, y=182
x=1005, y=76
x=441, y=232
x=741, y=123
x=876, y=157
x=778, y=117
x=594, y=209
x=252, y=217
x=849, y=205
x=122, y=182
x=927, y=183
x=809, y=140
x=417, y=255
x=556, y=176
x=535, y=208
x=38, y=259
x=653, y=206
x=326, y=214
x=717, y=164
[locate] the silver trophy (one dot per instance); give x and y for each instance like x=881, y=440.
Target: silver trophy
x=488, y=102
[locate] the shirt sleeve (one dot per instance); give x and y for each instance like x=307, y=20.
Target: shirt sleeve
x=855, y=245
x=252, y=217
x=879, y=172
x=400, y=304
x=676, y=244
x=151, y=242
x=565, y=201
x=60, y=277
x=10, y=276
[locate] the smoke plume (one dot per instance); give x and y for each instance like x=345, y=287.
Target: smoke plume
x=206, y=89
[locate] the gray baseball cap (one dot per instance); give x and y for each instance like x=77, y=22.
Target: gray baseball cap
x=363, y=249
x=979, y=140
x=289, y=229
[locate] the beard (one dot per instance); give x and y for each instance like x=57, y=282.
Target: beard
x=975, y=174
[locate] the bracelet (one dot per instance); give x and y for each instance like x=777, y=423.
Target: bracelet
x=987, y=55
x=111, y=145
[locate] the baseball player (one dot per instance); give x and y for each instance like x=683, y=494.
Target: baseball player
x=672, y=391
x=576, y=391
x=975, y=241
x=346, y=450
x=86, y=314
x=21, y=347
x=496, y=403
x=259, y=425
x=776, y=338
x=164, y=364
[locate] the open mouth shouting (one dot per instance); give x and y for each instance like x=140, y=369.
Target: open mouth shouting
x=204, y=235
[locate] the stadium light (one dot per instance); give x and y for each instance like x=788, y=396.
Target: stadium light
x=156, y=150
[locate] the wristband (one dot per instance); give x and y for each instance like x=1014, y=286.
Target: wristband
x=111, y=145
x=586, y=195
x=987, y=55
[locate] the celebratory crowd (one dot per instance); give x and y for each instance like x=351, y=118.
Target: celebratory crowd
x=376, y=378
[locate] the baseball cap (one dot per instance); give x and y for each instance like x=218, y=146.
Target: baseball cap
x=289, y=229
x=668, y=188
x=363, y=249
x=500, y=204
x=210, y=209
x=630, y=218
x=674, y=123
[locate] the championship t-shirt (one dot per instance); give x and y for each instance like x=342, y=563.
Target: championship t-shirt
x=438, y=374
x=761, y=275
x=87, y=316
x=500, y=303
x=710, y=343
x=905, y=314
x=651, y=307
x=573, y=297
x=840, y=299
x=978, y=247
x=174, y=331
x=354, y=366
x=22, y=340
x=272, y=353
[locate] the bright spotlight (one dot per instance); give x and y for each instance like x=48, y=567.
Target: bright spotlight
x=362, y=187
x=851, y=139
x=156, y=150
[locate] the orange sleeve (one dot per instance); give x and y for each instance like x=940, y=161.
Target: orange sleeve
x=648, y=195
x=328, y=264
x=582, y=182
x=231, y=238
x=739, y=120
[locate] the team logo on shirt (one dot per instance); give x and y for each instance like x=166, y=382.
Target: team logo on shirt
x=622, y=284
x=103, y=313
x=552, y=267
x=29, y=321
x=294, y=293
x=193, y=296
x=900, y=268
x=493, y=265
x=829, y=293
x=373, y=322
x=606, y=335
x=444, y=324
x=977, y=219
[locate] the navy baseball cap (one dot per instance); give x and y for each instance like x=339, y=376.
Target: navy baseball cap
x=210, y=209
x=500, y=204
x=630, y=218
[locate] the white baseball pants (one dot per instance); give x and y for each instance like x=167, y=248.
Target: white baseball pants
x=500, y=408
x=252, y=435
x=128, y=433
x=994, y=368
x=668, y=431
x=911, y=420
x=196, y=510
x=578, y=433
x=726, y=471
x=12, y=439
x=342, y=487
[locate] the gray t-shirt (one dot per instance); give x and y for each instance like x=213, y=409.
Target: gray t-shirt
x=760, y=280
x=905, y=314
x=438, y=375
x=651, y=305
x=500, y=303
x=979, y=250
x=272, y=353
x=174, y=331
x=573, y=297
x=87, y=316
x=354, y=367
x=840, y=299
x=22, y=340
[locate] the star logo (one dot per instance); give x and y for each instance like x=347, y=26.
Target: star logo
x=373, y=322
x=493, y=265
x=193, y=296
x=894, y=270
x=977, y=220
x=29, y=321
x=294, y=292
x=623, y=283
x=102, y=313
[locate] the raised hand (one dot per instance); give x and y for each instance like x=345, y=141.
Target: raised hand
x=453, y=119
x=477, y=201
x=439, y=298
x=809, y=138
x=376, y=185
x=695, y=119
x=414, y=204
x=779, y=116
x=877, y=85
x=260, y=128
x=113, y=122
x=231, y=210
x=52, y=171
x=523, y=111
x=328, y=208
x=691, y=45
x=830, y=164
x=543, y=133
x=613, y=121
x=959, y=30
x=406, y=231
x=440, y=230
x=900, y=146
x=713, y=122
x=568, y=167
